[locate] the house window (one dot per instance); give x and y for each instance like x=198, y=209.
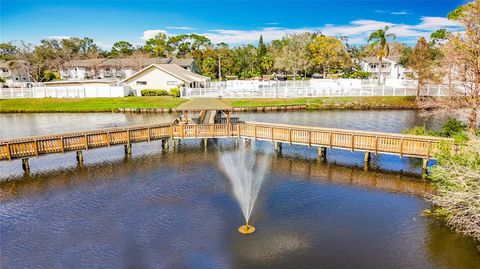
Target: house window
x=173, y=83
x=141, y=83
x=374, y=66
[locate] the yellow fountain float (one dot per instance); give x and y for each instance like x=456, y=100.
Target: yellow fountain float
x=246, y=229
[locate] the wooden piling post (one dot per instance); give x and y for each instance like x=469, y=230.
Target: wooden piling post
x=277, y=146
x=367, y=157
x=26, y=165
x=205, y=142
x=424, y=167
x=128, y=149
x=80, y=157
x=165, y=144
x=322, y=153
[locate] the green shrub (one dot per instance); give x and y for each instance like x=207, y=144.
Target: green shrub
x=357, y=74
x=175, y=92
x=418, y=130
x=453, y=127
x=154, y=92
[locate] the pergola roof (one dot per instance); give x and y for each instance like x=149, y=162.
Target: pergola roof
x=200, y=104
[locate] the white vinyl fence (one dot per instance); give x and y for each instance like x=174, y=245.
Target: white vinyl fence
x=312, y=88
x=65, y=92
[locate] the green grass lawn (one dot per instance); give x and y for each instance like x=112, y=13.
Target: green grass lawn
x=111, y=104
x=87, y=104
x=327, y=102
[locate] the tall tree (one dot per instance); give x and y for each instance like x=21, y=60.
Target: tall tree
x=294, y=54
x=329, y=53
x=439, y=36
x=121, y=48
x=424, y=62
x=89, y=49
x=379, y=41
x=8, y=51
x=463, y=50
x=157, y=46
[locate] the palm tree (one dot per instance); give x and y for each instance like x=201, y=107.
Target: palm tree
x=380, y=44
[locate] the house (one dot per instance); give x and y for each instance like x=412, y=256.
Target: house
x=14, y=72
x=164, y=76
x=118, y=68
x=390, y=68
x=80, y=69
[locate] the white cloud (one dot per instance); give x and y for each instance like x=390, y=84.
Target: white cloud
x=400, y=12
x=272, y=23
x=180, y=28
x=436, y=22
x=357, y=31
x=147, y=34
x=59, y=37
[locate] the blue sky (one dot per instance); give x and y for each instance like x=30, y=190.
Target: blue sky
x=233, y=22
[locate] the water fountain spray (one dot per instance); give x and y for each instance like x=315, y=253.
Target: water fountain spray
x=246, y=173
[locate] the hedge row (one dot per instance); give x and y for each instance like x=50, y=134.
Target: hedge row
x=175, y=92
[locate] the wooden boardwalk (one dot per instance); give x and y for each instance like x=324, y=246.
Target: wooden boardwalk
x=370, y=142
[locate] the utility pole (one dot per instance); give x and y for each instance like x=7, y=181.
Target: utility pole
x=219, y=69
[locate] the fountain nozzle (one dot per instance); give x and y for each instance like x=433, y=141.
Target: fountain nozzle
x=246, y=229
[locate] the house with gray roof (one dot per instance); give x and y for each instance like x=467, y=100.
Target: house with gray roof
x=14, y=72
x=118, y=68
x=164, y=76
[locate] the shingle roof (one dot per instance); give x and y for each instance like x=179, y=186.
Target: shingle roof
x=181, y=73
x=85, y=63
x=200, y=104
x=14, y=64
x=183, y=62
x=129, y=62
x=173, y=70
x=134, y=62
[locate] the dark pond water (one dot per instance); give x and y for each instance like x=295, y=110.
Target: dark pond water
x=174, y=209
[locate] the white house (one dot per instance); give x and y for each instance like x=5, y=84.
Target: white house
x=117, y=68
x=164, y=76
x=390, y=68
x=14, y=72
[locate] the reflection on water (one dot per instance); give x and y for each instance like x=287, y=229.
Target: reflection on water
x=175, y=209
x=30, y=124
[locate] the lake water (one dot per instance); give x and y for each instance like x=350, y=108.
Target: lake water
x=175, y=209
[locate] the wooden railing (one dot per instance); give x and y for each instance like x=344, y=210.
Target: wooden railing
x=376, y=142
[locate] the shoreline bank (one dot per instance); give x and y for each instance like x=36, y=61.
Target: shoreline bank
x=167, y=104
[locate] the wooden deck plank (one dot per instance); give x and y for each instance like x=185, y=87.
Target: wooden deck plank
x=353, y=140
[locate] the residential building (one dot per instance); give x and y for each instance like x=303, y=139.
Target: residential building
x=14, y=72
x=164, y=76
x=390, y=68
x=118, y=68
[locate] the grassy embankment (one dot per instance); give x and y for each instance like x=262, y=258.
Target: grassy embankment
x=456, y=178
x=111, y=104
x=331, y=102
x=87, y=104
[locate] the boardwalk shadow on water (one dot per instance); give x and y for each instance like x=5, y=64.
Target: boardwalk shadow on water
x=174, y=209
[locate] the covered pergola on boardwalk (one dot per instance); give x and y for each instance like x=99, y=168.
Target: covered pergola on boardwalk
x=211, y=111
x=369, y=142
